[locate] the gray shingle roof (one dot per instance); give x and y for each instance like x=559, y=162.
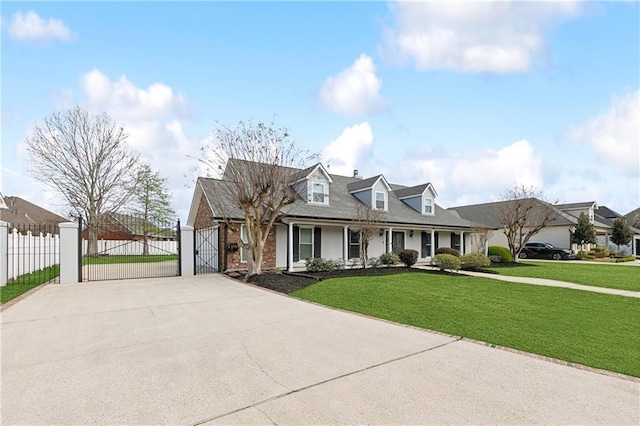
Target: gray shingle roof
x=581, y=205
x=342, y=205
x=488, y=214
x=360, y=184
x=22, y=212
x=411, y=191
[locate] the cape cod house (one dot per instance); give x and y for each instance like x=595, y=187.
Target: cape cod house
x=322, y=221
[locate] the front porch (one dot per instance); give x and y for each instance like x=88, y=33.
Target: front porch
x=341, y=241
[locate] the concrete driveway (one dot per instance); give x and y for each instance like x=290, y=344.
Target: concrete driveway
x=210, y=350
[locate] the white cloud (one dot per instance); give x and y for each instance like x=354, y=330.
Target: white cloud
x=346, y=152
x=473, y=176
x=354, y=91
x=472, y=36
x=31, y=27
x=123, y=100
x=615, y=134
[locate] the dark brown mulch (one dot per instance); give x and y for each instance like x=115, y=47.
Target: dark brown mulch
x=289, y=282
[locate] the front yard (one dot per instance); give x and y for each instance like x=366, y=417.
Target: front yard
x=623, y=277
x=593, y=329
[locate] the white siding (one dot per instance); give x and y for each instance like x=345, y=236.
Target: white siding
x=331, y=245
x=281, y=246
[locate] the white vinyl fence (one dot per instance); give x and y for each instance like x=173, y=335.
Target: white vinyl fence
x=132, y=248
x=28, y=253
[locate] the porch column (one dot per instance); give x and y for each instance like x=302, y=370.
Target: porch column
x=462, y=242
x=433, y=243
x=345, y=244
x=389, y=241
x=290, y=247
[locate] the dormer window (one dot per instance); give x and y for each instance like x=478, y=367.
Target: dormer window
x=591, y=216
x=381, y=201
x=428, y=206
x=319, y=193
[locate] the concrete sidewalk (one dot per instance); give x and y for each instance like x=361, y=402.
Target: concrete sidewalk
x=210, y=350
x=543, y=282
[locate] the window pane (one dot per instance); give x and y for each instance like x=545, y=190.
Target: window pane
x=380, y=200
x=243, y=234
x=305, y=236
x=427, y=205
x=305, y=251
x=354, y=237
x=318, y=193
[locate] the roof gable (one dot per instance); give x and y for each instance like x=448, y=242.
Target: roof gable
x=22, y=212
x=414, y=191
x=304, y=174
x=364, y=184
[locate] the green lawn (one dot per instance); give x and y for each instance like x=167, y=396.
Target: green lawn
x=611, y=276
x=26, y=282
x=104, y=260
x=588, y=328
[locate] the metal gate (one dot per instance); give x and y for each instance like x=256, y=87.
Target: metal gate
x=122, y=246
x=206, y=250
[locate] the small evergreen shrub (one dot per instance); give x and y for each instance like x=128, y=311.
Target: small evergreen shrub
x=374, y=262
x=495, y=259
x=448, y=250
x=409, y=257
x=389, y=259
x=354, y=262
x=503, y=252
x=446, y=261
x=475, y=261
x=318, y=264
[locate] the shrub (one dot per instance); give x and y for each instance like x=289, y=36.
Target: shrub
x=374, y=262
x=408, y=257
x=389, y=259
x=448, y=250
x=354, y=262
x=446, y=261
x=475, y=261
x=502, y=252
x=495, y=259
x=318, y=264
x=276, y=270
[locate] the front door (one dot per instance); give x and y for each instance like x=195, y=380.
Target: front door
x=425, y=246
x=397, y=241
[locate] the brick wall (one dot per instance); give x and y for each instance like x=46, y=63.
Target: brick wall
x=233, y=258
x=204, y=220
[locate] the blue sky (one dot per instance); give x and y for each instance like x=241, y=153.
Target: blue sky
x=474, y=97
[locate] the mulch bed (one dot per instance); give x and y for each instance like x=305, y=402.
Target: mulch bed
x=289, y=282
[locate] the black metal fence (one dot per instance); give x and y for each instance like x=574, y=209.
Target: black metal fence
x=120, y=246
x=33, y=254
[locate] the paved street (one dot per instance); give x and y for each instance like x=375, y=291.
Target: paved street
x=208, y=350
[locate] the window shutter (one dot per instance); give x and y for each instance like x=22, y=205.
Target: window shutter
x=435, y=237
x=296, y=243
x=317, y=233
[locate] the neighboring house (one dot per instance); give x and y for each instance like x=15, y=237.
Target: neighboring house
x=321, y=222
x=21, y=213
x=633, y=218
x=559, y=230
x=118, y=226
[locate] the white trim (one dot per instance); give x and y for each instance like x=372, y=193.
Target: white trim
x=369, y=188
x=324, y=171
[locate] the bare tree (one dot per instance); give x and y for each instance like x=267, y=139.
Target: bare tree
x=259, y=186
x=151, y=201
x=523, y=213
x=480, y=234
x=367, y=223
x=84, y=157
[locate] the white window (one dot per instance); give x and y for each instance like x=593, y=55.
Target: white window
x=245, y=241
x=306, y=243
x=318, y=193
x=591, y=216
x=380, y=201
x=428, y=205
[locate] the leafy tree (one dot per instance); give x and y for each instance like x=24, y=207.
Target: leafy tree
x=584, y=233
x=152, y=203
x=85, y=158
x=259, y=161
x=621, y=234
x=523, y=213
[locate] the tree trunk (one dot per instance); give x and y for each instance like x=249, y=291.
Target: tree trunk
x=145, y=247
x=92, y=234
